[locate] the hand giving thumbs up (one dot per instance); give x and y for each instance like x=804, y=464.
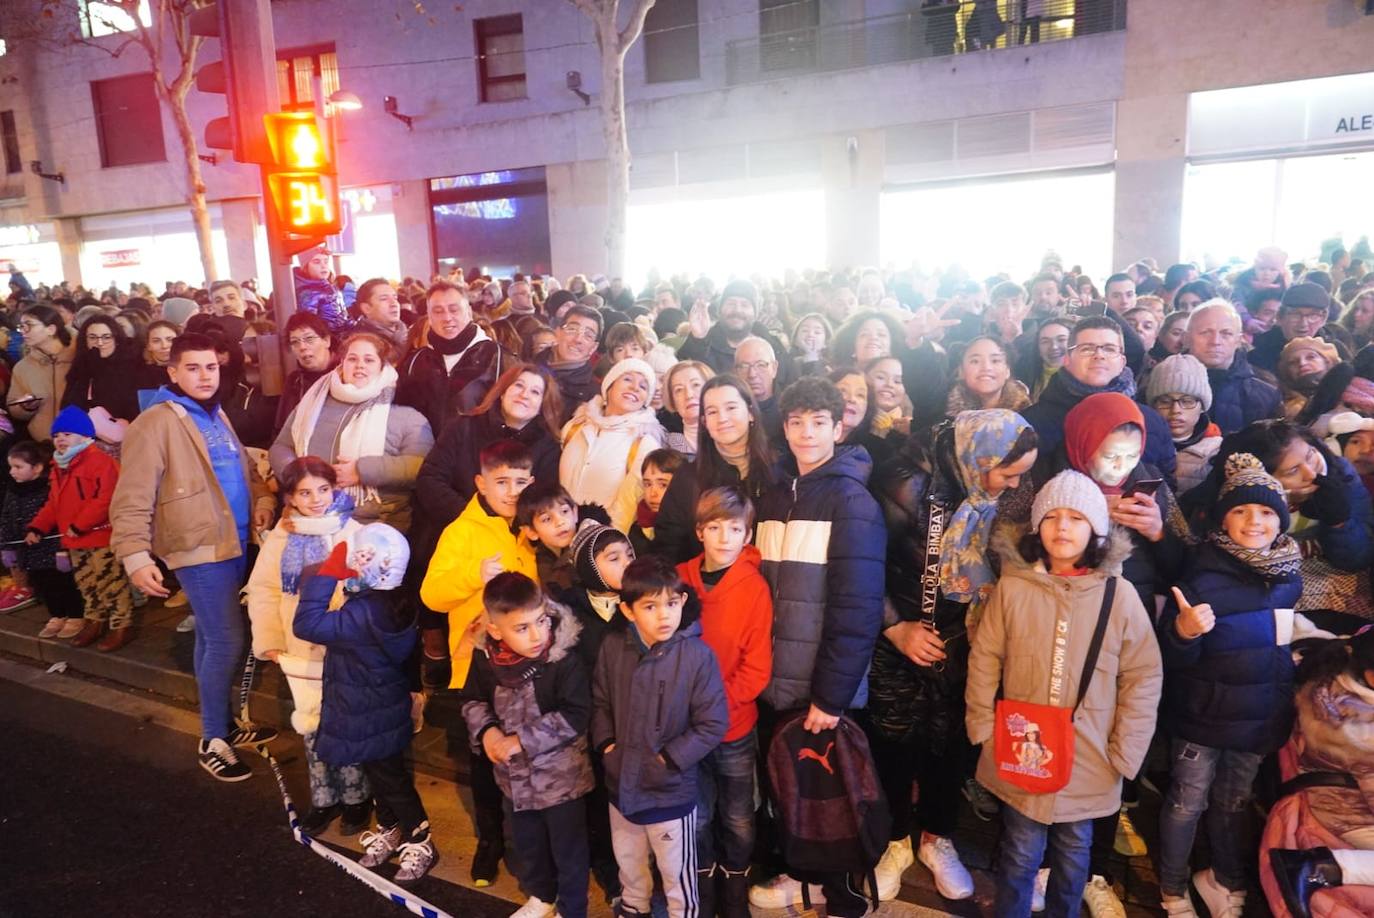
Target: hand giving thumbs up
x=1193, y=621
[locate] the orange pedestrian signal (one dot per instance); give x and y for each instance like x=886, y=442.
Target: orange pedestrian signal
x=301, y=181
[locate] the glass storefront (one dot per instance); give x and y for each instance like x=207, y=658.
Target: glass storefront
x=989, y=226
x=494, y=222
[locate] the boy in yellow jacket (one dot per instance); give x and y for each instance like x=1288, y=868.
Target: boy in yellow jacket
x=476, y=547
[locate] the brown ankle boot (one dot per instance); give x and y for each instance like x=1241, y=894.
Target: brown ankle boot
x=89, y=633
x=116, y=639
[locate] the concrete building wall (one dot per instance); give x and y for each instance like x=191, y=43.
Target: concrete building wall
x=1177, y=47
x=1169, y=49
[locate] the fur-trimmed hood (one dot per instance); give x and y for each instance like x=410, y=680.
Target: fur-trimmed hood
x=1006, y=537
x=566, y=631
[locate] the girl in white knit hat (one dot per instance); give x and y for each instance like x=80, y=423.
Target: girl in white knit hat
x=1072, y=649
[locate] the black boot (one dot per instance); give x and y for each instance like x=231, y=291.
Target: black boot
x=487, y=861
x=733, y=886
x=319, y=818
x=706, y=891
x=356, y=817
x=1300, y=873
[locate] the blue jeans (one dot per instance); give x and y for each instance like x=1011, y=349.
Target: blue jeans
x=1023, y=849
x=1219, y=782
x=213, y=590
x=725, y=803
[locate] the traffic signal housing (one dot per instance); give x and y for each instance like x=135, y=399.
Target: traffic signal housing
x=302, y=181
x=245, y=74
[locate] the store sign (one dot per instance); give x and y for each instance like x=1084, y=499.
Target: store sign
x=121, y=258
x=1282, y=117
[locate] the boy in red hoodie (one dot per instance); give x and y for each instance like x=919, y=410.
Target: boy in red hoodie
x=737, y=624
x=82, y=484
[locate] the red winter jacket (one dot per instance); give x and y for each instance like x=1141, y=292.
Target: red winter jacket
x=737, y=624
x=79, y=496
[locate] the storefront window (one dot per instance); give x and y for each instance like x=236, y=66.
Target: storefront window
x=496, y=222
x=1001, y=225
x=724, y=236
x=1230, y=210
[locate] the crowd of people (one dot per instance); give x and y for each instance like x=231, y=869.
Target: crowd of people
x=1024, y=545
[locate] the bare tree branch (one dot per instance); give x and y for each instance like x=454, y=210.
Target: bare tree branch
x=630, y=34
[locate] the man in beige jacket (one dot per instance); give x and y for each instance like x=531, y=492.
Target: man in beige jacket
x=185, y=495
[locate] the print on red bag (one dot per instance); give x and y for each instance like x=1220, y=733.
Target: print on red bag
x=823, y=757
x=1031, y=755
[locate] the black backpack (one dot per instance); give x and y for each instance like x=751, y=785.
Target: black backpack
x=832, y=814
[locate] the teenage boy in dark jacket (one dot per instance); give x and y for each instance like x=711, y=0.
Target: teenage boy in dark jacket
x=658, y=710
x=824, y=546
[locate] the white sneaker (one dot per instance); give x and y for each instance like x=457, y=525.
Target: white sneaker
x=952, y=879
x=1042, y=883
x=534, y=908
x=1220, y=901
x=783, y=892
x=894, y=862
x=1178, y=907
x=186, y=625
x=1101, y=899
x=379, y=846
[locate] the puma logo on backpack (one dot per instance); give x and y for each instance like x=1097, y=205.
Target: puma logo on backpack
x=822, y=757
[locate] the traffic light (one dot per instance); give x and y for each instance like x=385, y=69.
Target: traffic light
x=301, y=180
x=245, y=74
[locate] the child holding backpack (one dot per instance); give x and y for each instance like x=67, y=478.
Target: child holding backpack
x=1079, y=692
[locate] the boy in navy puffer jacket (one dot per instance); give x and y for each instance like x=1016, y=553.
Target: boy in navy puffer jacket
x=365, y=712
x=658, y=709
x=1228, y=682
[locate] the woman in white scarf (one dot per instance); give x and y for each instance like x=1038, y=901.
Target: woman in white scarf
x=348, y=418
x=605, y=443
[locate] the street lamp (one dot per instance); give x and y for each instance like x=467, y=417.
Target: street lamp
x=345, y=101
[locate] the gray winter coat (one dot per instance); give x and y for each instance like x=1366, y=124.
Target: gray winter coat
x=408, y=440
x=663, y=709
x=549, y=710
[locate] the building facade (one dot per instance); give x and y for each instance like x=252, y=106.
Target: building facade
x=765, y=134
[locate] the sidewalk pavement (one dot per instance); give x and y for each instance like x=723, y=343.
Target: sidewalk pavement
x=153, y=675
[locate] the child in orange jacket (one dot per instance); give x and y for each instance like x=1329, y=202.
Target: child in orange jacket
x=82, y=484
x=737, y=624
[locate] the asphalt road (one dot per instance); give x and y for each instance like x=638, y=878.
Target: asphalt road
x=105, y=814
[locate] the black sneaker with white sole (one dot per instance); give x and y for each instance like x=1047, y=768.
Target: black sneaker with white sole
x=219, y=759
x=251, y=736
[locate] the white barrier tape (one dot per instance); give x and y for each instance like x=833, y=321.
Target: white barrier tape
x=380, y=884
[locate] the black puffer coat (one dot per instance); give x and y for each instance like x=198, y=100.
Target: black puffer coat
x=905, y=698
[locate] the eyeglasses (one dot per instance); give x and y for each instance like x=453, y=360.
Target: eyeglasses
x=304, y=341
x=1165, y=403
x=578, y=331
x=749, y=369
x=1092, y=350
x=29, y=326
x=99, y=339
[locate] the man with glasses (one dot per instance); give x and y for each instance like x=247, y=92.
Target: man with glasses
x=1179, y=391
x=573, y=357
x=1238, y=396
x=1096, y=362
x=1304, y=309
x=757, y=364
x=454, y=365
x=310, y=343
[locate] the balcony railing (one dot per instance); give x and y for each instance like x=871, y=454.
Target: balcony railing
x=934, y=30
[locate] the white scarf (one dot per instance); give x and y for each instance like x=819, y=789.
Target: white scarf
x=364, y=431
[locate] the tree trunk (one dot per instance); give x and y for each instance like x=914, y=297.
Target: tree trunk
x=617, y=149
x=200, y=211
